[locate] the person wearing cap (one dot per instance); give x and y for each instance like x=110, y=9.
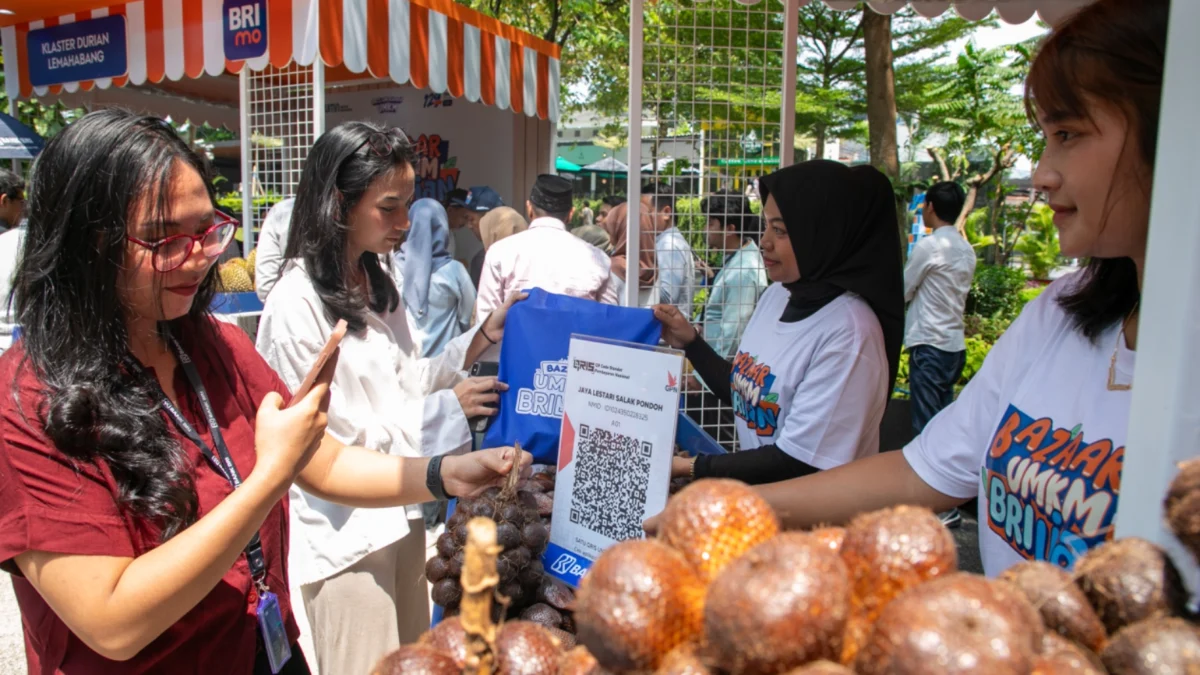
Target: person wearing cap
x=467, y=240
x=545, y=256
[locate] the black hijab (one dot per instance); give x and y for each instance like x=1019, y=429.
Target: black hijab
x=842, y=225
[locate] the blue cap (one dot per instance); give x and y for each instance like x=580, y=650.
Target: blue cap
x=480, y=199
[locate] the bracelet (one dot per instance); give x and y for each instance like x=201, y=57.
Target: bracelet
x=433, y=480
x=483, y=329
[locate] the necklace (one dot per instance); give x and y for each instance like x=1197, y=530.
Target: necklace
x=1112, y=364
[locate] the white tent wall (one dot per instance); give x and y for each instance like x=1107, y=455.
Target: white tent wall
x=1165, y=412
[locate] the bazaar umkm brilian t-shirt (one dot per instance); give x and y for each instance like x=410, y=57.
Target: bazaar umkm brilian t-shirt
x=1038, y=436
x=816, y=388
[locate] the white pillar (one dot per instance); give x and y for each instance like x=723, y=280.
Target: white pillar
x=1164, y=426
x=633, y=175
x=318, y=100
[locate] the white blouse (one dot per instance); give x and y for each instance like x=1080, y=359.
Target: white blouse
x=383, y=397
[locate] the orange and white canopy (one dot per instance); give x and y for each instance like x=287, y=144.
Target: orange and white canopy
x=435, y=45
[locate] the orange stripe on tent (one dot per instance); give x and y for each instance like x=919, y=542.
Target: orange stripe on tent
x=418, y=46
x=119, y=10
x=543, y=86
x=377, y=38
x=193, y=39
x=155, y=58
x=487, y=68
x=516, y=71
x=454, y=58
x=279, y=33
x=488, y=24
x=331, y=32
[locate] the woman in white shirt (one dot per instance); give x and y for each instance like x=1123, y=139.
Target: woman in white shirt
x=361, y=570
x=438, y=294
x=816, y=362
x=1039, y=434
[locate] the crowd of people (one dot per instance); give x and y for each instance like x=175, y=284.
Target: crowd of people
x=160, y=485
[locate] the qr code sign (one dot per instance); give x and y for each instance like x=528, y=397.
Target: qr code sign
x=612, y=472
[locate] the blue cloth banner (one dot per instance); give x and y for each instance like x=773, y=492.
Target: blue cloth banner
x=83, y=50
x=533, y=363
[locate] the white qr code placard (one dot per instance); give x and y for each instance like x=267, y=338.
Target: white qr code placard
x=614, y=461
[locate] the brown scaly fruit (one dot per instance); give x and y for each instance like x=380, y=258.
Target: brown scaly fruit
x=1159, y=646
x=449, y=638
x=781, y=605
x=821, y=668
x=886, y=553
x=1130, y=580
x=416, y=660
x=1063, y=607
x=1061, y=656
x=640, y=600
x=579, y=661
x=234, y=278
x=1182, y=506
x=831, y=537
x=683, y=660
x=525, y=648
x=961, y=623
x=714, y=521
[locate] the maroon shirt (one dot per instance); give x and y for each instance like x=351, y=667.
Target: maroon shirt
x=50, y=503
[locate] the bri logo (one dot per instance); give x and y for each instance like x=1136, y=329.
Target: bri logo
x=567, y=564
x=245, y=29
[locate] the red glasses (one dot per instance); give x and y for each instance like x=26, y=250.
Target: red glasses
x=173, y=251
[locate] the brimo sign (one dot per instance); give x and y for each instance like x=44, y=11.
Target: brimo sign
x=245, y=28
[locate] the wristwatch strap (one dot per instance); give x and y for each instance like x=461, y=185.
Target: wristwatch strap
x=433, y=480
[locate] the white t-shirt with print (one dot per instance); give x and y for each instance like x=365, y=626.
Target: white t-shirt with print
x=817, y=387
x=1038, y=436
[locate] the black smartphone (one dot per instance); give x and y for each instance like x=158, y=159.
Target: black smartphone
x=480, y=424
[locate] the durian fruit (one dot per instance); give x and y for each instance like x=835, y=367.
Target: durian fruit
x=251, y=259
x=234, y=278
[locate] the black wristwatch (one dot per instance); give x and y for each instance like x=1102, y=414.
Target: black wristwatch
x=433, y=480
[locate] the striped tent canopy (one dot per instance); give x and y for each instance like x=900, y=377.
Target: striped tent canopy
x=435, y=45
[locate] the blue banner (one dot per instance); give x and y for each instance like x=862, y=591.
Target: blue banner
x=84, y=50
x=244, y=25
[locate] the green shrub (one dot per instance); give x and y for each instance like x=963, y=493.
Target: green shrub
x=231, y=203
x=901, y=388
x=995, y=292
x=1039, y=245
x=1027, y=295
x=977, y=351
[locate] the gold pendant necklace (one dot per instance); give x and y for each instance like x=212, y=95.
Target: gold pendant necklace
x=1112, y=364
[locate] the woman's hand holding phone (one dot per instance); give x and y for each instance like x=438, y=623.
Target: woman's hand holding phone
x=479, y=396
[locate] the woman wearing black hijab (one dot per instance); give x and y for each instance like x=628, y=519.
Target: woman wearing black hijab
x=818, y=358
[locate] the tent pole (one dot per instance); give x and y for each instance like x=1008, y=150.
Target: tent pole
x=318, y=100
x=1164, y=415
x=12, y=111
x=791, y=32
x=247, y=172
x=634, y=187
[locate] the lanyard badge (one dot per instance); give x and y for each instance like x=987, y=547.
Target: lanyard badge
x=270, y=617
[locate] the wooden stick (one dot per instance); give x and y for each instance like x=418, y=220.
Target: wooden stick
x=479, y=582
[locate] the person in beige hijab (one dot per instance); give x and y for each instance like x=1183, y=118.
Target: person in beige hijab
x=495, y=225
x=616, y=224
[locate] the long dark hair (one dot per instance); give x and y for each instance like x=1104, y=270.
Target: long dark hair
x=1112, y=51
x=86, y=185
x=341, y=167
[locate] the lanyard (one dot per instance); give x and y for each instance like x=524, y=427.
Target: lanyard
x=221, y=460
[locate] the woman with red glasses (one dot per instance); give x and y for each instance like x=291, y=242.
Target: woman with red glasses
x=146, y=450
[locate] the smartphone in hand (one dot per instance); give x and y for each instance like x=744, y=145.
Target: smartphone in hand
x=482, y=369
x=326, y=361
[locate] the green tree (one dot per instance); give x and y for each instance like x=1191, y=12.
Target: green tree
x=984, y=119
x=1039, y=244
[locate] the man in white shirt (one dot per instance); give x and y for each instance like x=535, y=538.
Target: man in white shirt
x=272, y=242
x=936, y=282
x=676, y=260
x=545, y=256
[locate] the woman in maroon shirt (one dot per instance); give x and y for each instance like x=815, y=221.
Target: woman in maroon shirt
x=132, y=415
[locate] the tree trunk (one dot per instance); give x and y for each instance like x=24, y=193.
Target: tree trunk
x=994, y=222
x=821, y=131
x=881, y=92
x=961, y=223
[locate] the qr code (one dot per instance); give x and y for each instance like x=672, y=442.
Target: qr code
x=612, y=472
